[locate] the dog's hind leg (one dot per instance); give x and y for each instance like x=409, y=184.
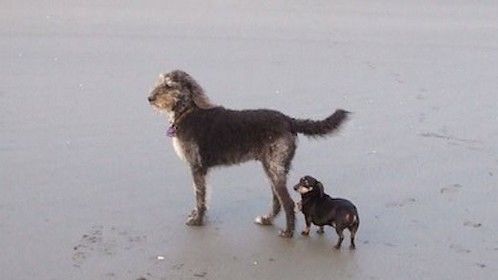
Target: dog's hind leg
x=276, y=162
x=340, y=233
x=288, y=205
x=353, y=229
x=275, y=208
x=196, y=217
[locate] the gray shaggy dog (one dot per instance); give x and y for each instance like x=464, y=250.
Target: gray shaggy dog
x=205, y=135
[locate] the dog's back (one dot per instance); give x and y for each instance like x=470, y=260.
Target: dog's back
x=346, y=212
x=326, y=210
x=225, y=136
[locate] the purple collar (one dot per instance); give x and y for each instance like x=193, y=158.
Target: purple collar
x=171, y=132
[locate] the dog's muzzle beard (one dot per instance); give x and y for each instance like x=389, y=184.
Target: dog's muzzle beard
x=161, y=109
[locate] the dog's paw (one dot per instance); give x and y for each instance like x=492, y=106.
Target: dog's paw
x=286, y=234
x=193, y=213
x=337, y=247
x=263, y=220
x=320, y=231
x=194, y=221
x=305, y=232
x=352, y=247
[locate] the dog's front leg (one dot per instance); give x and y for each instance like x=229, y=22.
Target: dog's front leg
x=196, y=217
x=307, y=220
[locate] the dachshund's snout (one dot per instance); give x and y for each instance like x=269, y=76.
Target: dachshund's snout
x=151, y=98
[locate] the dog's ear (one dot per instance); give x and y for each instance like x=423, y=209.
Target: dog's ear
x=161, y=79
x=321, y=191
x=202, y=101
x=197, y=93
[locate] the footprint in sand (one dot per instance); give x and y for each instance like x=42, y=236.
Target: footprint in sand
x=459, y=249
x=451, y=189
x=369, y=64
x=86, y=245
x=481, y=265
x=94, y=243
x=388, y=244
x=402, y=203
x=200, y=274
x=472, y=224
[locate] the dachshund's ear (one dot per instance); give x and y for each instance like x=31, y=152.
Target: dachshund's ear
x=320, y=188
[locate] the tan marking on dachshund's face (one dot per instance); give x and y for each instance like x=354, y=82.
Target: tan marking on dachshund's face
x=303, y=186
x=306, y=184
x=303, y=189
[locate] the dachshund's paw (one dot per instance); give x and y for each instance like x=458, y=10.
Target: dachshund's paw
x=305, y=232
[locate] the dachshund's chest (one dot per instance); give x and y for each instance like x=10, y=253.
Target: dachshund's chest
x=317, y=215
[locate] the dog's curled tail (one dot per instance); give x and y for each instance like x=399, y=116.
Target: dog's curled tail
x=320, y=128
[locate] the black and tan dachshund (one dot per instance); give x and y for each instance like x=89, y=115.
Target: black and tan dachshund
x=321, y=210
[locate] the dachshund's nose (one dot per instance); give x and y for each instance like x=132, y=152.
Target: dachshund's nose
x=151, y=98
x=296, y=187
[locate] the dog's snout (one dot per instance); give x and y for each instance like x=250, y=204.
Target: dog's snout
x=151, y=98
x=296, y=187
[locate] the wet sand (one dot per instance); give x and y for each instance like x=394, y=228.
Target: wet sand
x=91, y=187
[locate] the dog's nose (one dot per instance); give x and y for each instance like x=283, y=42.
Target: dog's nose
x=151, y=98
x=296, y=187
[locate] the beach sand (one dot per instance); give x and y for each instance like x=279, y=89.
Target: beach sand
x=90, y=186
